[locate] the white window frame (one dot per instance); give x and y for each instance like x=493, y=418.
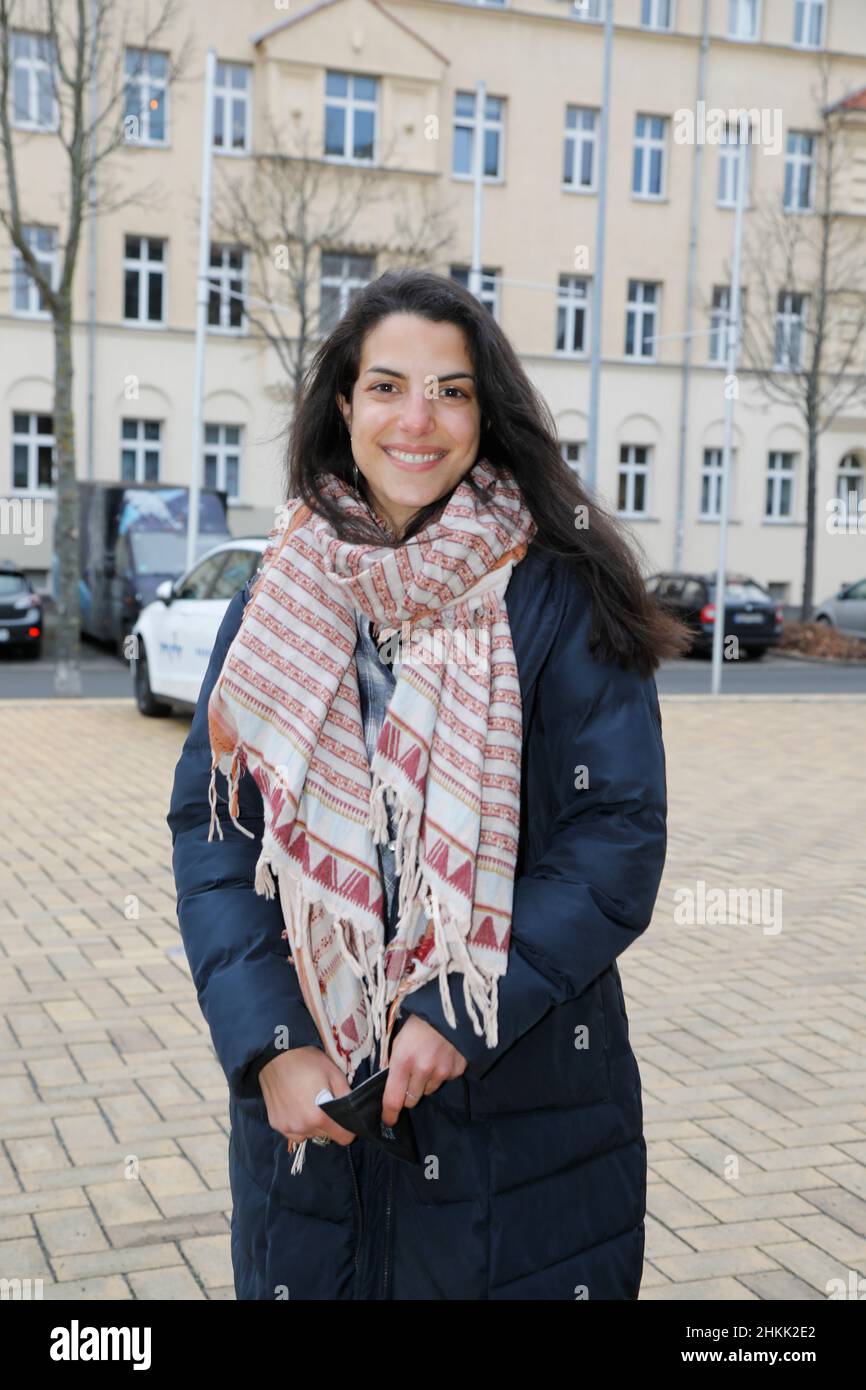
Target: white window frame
x=799, y=156
x=632, y=468
x=348, y=279
x=139, y=446
x=711, y=473
x=145, y=268
x=349, y=104
x=573, y=453
x=226, y=97
x=39, y=64
x=222, y=449
x=572, y=297
x=720, y=312
x=851, y=479
x=490, y=123
x=778, y=473
x=804, y=12
x=32, y=439
x=489, y=291
x=732, y=157
x=648, y=144
x=787, y=318
x=21, y=277
x=638, y=310
x=737, y=11
x=589, y=10
x=652, y=11
x=220, y=281
x=149, y=86
x=580, y=137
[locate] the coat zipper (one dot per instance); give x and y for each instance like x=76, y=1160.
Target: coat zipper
x=389, y=1191
x=358, y=1207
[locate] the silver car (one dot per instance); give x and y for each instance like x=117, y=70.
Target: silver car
x=847, y=611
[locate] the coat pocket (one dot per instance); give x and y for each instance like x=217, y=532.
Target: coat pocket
x=561, y=1062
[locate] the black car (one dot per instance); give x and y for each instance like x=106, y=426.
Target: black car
x=20, y=611
x=752, y=615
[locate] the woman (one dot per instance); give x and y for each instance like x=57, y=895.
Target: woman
x=432, y=865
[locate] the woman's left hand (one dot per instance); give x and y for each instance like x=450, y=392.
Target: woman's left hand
x=420, y=1061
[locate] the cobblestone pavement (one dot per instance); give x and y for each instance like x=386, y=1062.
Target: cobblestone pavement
x=750, y=1038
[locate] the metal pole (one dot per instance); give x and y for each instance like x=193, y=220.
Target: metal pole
x=691, y=277
x=733, y=359
x=91, y=249
x=478, y=180
x=201, y=302
x=598, y=273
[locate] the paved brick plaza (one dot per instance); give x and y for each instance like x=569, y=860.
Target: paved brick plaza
x=750, y=1038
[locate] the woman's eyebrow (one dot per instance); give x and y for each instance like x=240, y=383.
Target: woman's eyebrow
x=451, y=376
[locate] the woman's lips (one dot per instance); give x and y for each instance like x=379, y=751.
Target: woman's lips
x=422, y=466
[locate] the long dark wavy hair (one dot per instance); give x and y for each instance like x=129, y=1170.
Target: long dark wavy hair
x=517, y=430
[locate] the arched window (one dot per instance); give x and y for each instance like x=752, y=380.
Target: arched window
x=851, y=484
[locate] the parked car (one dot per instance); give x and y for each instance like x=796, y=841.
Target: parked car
x=176, y=632
x=847, y=611
x=20, y=611
x=752, y=615
x=132, y=536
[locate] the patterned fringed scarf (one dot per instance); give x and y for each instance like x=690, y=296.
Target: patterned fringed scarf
x=286, y=707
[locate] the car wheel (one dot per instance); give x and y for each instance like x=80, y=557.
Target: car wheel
x=755, y=653
x=823, y=618
x=34, y=650
x=144, y=696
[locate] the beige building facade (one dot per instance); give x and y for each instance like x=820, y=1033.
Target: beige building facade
x=368, y=82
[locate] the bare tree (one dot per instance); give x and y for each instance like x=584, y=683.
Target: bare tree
x=292, y=208
x=816, y=362
x=85, y=89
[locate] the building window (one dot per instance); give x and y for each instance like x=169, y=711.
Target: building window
x=27, y=298
x=633, y=479
x=488, y=295
x=140, y=450
x=732, y=157
x=33, y=463
x=34, y=102
x=145, y=97
x=743, y=19
x=779, y=501
x=222, y=458
x=581, y=148
x=588, y=9
x=227, y=281
x=641, y=319
x=657, y=14
x=851, y=485
x=572, y=313
x=790, y=329
x=711, y=484
x=719, y=316
x=143, y=279
x=350, y=116
x=343, y=277
x=799, y=172
x=573, y=454
x=231, y=107
x=648, y=169
x=809, y=23
x=464, y=136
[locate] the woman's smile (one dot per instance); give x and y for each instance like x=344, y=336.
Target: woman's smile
x=413, y=459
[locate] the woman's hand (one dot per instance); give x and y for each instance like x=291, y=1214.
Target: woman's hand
x=420, y=1060
x=290, y=1083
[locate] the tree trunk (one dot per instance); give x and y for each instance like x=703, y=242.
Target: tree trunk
x=67, y=679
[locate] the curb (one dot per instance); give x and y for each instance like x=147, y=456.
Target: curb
x=826, y=661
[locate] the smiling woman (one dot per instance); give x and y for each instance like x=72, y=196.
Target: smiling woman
x=430, y=867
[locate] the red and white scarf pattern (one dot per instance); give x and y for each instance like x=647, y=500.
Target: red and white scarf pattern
x=286, y=707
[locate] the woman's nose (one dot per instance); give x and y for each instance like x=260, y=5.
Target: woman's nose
x=417, y=413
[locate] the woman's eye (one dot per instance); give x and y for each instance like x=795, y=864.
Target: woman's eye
x=457, y=389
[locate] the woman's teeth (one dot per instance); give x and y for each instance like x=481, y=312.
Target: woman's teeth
x=415, y=458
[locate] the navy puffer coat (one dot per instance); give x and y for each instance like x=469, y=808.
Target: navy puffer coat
x=534, y=1185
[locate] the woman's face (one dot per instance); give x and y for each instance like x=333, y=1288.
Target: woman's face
x=414, y=414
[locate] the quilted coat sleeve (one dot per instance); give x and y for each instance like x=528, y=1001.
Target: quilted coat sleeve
x=247, y=989
x=592, y=888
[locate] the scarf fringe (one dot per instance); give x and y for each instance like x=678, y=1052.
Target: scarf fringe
x=232, y=778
